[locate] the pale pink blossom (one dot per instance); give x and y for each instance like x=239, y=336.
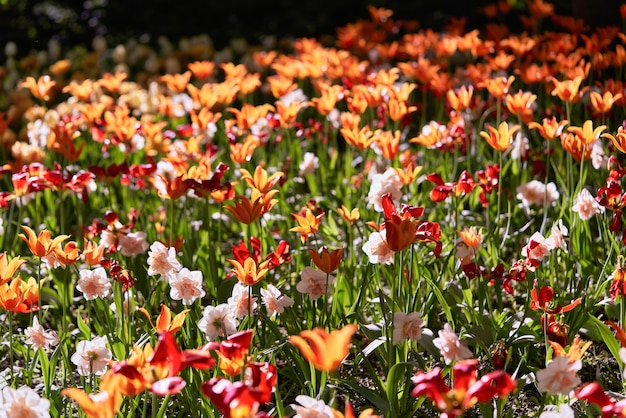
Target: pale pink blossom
x=387, y=182
x=23, y=403
x=94, y=283
x=558, y=411
x=557, y=235
x=218, y=321
x=407, y=326
x=536, y=192
x=377, y=249
x=162, y=260
x=38, y=337
x=451, y=346
x=239, y=301
x=309, y=164
x=559, y=377
x=92, y=357
x=132, y=244
x=274, y=301
x=586, y=205
x=314, y=283
x=311, y=408
x=537, y=247
x=186, y=285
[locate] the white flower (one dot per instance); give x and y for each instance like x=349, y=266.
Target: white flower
x=218, y=321
x=451, y=347
x=535, y=192
x=132, y=244
x=559, y=377
x=239, y=300
x=92, y=357
x=23, y=403
x=407, y=326
x=314, y=283
x=558, y=411
x=38, y=337
x=309, y=164
x=387, y=182
x=598, y=157
x=586, y=205
x=274, y=301
x=311, y=408
x=377, y=249
x=94, y=283
x=162, y=260
x=186, y=285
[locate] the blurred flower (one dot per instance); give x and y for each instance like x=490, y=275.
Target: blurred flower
x=451, y=347
x=348, y=215
x=407, y=326
x=186, y=285
x=23, y=403
x=559, y=377
x=8, y=268
x=549, y=129
x=311, y=408
x=536, y=192
x=587, y=134
x=314, y=283
x=325, y=350
x=593, y=393
x=500, y=139
x=309, y=164
x=619, y=140
x=38, y=337
x=275, y=302
x=132, y=244
x=162, y=260
x=94, y=283
x=92, y=356
x=239, y=301
x=40, y=88
x=218, y=321
x=558, y=411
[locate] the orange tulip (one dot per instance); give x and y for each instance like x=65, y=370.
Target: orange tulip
x=260, y=180
x=567, y=90
x=201, y=69
x=92, y=253
x=461, y=99
x=498, y=86
x=249, y=273
x=472, y=237
x=328, y=261
x=247, y=210
x=308, y=223
x=41, y=245
x=176, y=82
x=520, y=104
x=8, y=268
x=164, y=322
x=603, y=103
x=549, y=128
x=587, y=134
x=40, y=88
x=361, y=138
x=350, y=216
x=572, y=144
x=103, y=404
x=67, y=255
x=19, y=296
x=619, y=140
x=500, y=139
x=325, y=351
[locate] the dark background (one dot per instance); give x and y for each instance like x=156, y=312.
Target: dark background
x=31, y=23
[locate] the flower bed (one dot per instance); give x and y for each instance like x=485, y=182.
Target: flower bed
x=401, y=223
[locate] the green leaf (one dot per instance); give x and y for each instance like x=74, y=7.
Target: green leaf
x=372, y=396
x=599, y=331
x=83, y=327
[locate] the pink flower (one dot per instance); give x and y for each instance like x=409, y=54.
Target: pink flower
x=387, y=182
x=451, y=347
x=94, y=283
x=559, y=377
x=559, y=231
x=377, y=249
x=274, y=301
x=314, y=283
x=186, y=285
x=162, y=260
x=535, y=192
x=586, y=206
x=23, y=403
x=92, y=357
x=537, y=247
x=38, y=337
x=309, y=164
x=239, y=301
x=132, y=244
x=407, y=326
x=311, y=408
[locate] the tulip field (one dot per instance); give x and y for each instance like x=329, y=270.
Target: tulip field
x=391, y=221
